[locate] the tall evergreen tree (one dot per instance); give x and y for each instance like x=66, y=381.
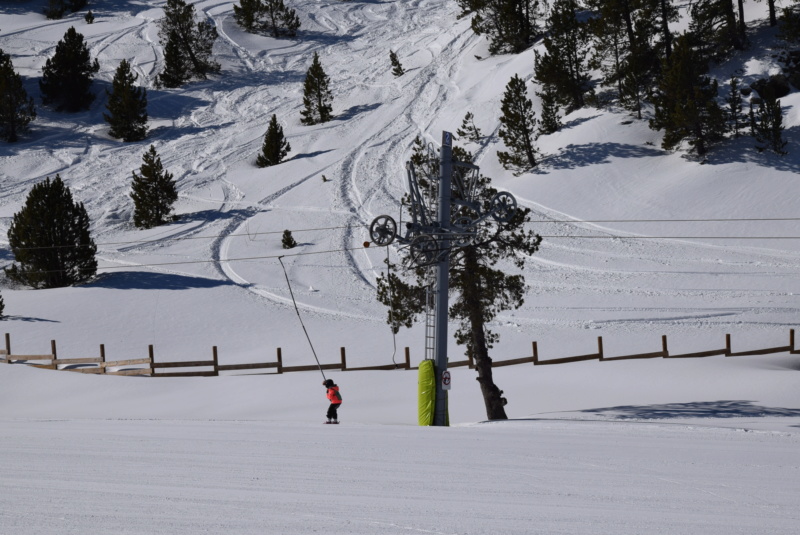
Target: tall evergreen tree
x=766, y=125
x=713, y=29
x=685, y=104
x=550, y=121
x=397, y=67
x=518, y=128
x=127, y=106
x=68, y=75
x=479, y=289
x=275, y=147
x=736, y=118
x=16, y=107
x=153, y=192
x=187, y=45
x=317, y=96
x=50, y=239
x=511, y=25
x=270, y=16
x=247, y=14
x=564, y=63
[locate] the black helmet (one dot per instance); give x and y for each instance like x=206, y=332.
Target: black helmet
x=328, y=383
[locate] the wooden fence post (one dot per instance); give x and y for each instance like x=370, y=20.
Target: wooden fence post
x=54, y=353
x=728, y=345
x=664, y=345
x=344, y=358
x=102, y=358
x=216, y=360
x=600, y=347
x=151, y=356
x=8, y=348
x=408, y=358
x=535, y=353
x=280, y=361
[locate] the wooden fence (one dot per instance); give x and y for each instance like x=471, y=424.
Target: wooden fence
x=149, y=367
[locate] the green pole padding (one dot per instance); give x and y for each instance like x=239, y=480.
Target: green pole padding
x=427, y=392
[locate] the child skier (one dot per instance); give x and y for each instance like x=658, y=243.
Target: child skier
x=335, y=398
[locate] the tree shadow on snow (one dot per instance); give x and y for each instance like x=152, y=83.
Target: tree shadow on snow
x=9, y=317
x=144, y=280
x=697, y=409
x=574, y=156
x=358, y=109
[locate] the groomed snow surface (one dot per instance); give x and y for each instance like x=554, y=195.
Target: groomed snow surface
x=684, y=446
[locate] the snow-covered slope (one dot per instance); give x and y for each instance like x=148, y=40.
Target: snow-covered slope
x=135, y=455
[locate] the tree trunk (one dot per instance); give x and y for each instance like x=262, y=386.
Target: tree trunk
x=665, y=28
x=773, y=20
x=741, y=26
x=492, y=395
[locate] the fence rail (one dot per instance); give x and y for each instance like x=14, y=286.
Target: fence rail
x=149, y=367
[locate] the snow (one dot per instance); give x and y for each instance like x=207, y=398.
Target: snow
x=643, y=446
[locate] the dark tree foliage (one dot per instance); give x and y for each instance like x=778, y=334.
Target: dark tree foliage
x=50, y=239
x=737, y=120
x=564, y=63
x=766, y=125
x=56, y=8
x=270, y=16
x=16, y=107
x=480, y=289
x=713, y=29
x=68, y=75
x=89, y=17
x=550, y=121
x=518, y=129
x=187, y=45
x=685, y=102
x=127, y=106
x=790, y=23
x=397, y=67
x=153, y=192
x=317, y=96
x=468, y=130
x=275, y=147
x=2, y=307
x=511, y=25
x=287, y=240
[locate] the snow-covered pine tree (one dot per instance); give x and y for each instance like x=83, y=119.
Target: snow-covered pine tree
x=153, y=192
x=397, y=67
x=127, y=106
x=468, y=130
x=68, y=75
x=50, y=239
x=16, y=107
x=275, y=147
x=317, y=96
x=187, y=45
x=766, y=125
x=518, y=128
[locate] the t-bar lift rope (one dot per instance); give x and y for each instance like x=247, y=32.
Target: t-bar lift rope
x=300, y=318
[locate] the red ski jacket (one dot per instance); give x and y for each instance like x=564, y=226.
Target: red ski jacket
x=334, y=395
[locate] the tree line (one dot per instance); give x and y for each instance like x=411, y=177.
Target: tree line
x=642, y=63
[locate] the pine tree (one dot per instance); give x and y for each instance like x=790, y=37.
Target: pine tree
x=2, y=307
x=67, y=76
x=397, y=67
x=468, y=130
x=736, y=118
x=518, y=128
x=270, y=16
x=187, y=45
x=564, y=63
x=479, y=289
x=767, y=126
x=317, y=96
x=55, y=9
x=275, y=147
x=287, y=241
x=153, y=192
x=511, y=25
x=550, y=121
x=16, y=107
x=127, y=106
x=50, y=239
x=713, y=29
x=247, y=14
x=685, y=103
x=89, y=17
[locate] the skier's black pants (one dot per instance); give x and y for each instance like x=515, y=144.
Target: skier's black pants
x=332, y=415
